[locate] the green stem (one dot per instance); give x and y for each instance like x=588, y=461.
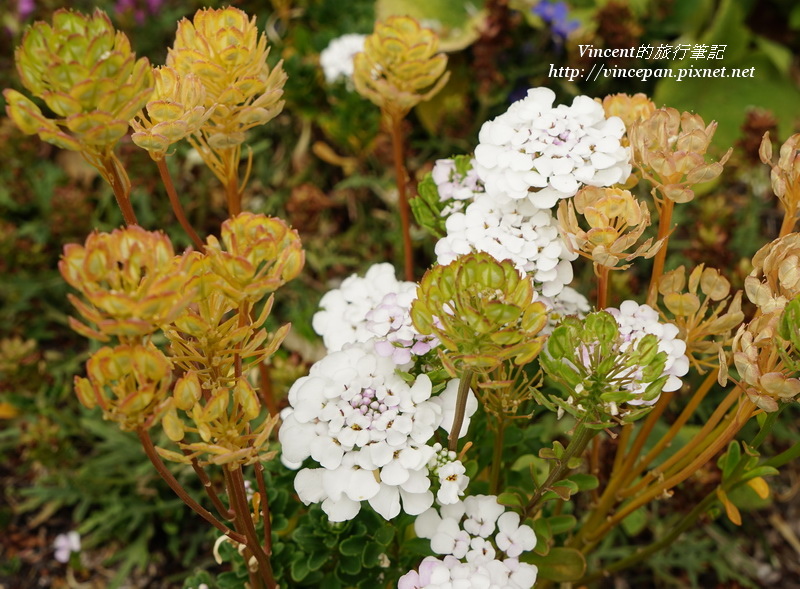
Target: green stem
x=461, y=408
x=766, y=427
x=497, y=457
x=784, y=457
x=644, y=553
x=583, y=435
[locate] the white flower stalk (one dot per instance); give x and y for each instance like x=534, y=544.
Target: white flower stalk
x=367, y=429
x=455, y=189
x=336, y=59
x=537, y=152
x=511, y=230
x=482, y=551
x=635, y=321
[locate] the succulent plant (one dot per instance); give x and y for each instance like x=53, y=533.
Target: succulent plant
x=400, y=66
x=482, y=310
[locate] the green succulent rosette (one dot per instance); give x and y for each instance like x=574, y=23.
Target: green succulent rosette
x=482, y=310
x=87, y=75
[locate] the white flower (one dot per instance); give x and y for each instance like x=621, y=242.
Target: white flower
x=337, y=58
x=635, y=321
x=374, y=308
x=567, y=302
x=544, y=154
x=511, y=230
x=512, y=538
x=390, y=323
x=66, y=544
x=453, y=481
x=482, y=512
x=342, y=318
x=455, y=188
x=473, y=559
x=367, y=428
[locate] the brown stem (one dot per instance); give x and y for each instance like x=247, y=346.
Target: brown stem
x=676, y=426
x=121, y=185
x=231, y=158
x=664, y=221
x=743, y=414
x=789, y=220
x=461, y=408
x=242, y=509
x=262, y=489
x=256, y=582
x=265, y=386
x=602, y=286
x=149, y=449
x=704, y=433
x=176, y=204
x=405, y=209
x=209, y=488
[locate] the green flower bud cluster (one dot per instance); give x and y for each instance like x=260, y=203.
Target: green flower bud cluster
x=606, y=376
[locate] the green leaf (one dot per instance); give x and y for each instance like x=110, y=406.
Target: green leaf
x=726, y=99
x=544, y=533
x=371, y=555
x=299, y=568
x=561, y=564
x=316, y=559
x=730, y=459
x=560, y=524
x=760, y=471
x=351, y=565
x=509, y=500
x=585, y=482
x=384, y=535
x=635, y=522
x=352, y=546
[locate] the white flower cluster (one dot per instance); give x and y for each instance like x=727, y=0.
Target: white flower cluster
x=635, y=321
x=391, y=326
x=376, y=307
x=537, y=152
x=336, y=59
x=473, y=548
x=368, y=430
x=511, y=230
x=567, y=302
x=451, y=473
x=454, y=188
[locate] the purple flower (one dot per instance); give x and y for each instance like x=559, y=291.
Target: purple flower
x=555, y=14
x=25, y=8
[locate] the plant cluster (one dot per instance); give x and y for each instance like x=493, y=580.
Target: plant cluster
x=415, y=452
